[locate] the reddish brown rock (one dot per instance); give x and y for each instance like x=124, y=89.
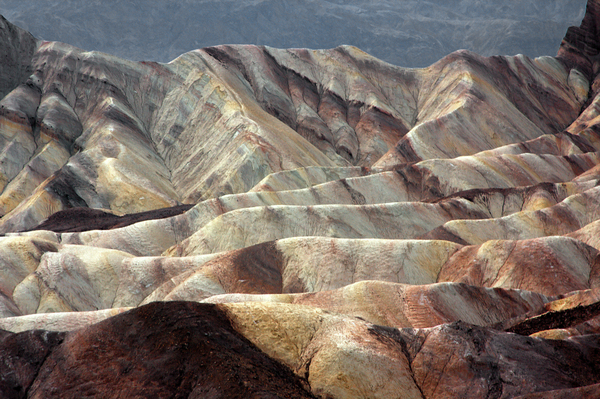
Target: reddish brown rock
x=22, y=357
x=552, y=266
x=581, y=44
x=180, y=349
x=309, y=177
x=498, y=365
x=173, y=350
x=587, y=392
x=403, y=305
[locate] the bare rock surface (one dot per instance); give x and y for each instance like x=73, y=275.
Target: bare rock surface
x=561, y=265
x=401, y=305
x=246, y=221
x=181, y=347
x=255, y=350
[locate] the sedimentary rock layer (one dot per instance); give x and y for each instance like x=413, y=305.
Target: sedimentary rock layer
x=255, y=222
x=201, y=349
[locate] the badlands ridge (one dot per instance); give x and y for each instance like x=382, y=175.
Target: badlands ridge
x=250, y=222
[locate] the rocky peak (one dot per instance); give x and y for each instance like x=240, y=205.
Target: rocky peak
x=581, y=45
x=246, y=221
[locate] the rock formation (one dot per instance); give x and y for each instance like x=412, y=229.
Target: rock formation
x=252, y=222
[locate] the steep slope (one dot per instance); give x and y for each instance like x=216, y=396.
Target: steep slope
x=267, y=112
x=337, y=226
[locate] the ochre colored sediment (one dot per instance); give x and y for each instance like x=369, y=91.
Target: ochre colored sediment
x=251, y=222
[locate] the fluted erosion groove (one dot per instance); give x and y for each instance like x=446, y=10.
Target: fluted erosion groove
x=251, y=222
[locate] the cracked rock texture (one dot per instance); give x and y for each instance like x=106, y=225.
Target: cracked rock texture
x=251, y=222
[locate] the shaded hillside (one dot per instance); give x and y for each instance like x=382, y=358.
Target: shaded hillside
x=245, y=221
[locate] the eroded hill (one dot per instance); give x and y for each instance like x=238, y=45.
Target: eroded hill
x=246, y=221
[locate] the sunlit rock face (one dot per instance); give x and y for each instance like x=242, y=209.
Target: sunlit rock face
x=251, y=222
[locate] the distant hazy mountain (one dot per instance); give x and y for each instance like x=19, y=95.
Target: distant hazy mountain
x=407, y=32
x=253, y=222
